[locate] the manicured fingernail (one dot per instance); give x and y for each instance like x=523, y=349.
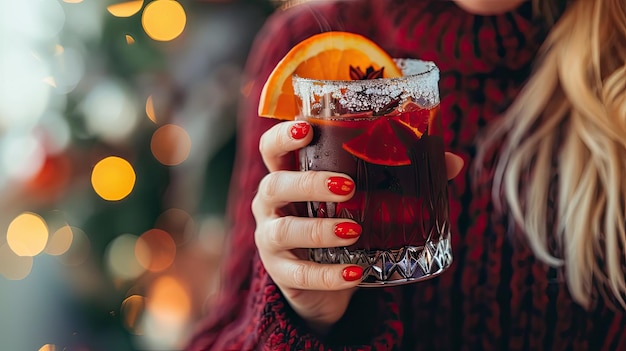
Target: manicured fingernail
x=352, y=273
x=340, y=185
x=300, y=130
x=347, y=230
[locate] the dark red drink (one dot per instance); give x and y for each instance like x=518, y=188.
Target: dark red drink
x=396, y=157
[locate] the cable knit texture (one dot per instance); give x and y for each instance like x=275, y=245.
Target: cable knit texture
x=496, y=295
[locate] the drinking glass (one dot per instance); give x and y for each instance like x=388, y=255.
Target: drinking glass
x=386, y=134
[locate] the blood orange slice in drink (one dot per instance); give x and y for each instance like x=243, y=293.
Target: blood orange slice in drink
x=384, y=142
x=415, y=116
x=325, y=56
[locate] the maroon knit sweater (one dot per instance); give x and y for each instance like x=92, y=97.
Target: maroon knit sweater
x=496, y=295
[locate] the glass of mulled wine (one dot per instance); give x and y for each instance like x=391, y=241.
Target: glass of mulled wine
x=386, y=134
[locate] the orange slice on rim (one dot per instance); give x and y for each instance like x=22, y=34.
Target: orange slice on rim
x=328, y=56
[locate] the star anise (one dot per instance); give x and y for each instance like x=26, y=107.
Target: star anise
x=370, y=73
x=392, y=105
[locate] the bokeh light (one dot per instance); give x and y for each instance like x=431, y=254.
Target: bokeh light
x=168, y=308
x=132, y=311
x=56, y=133
x=150, y=109
x=24, y=93
x=12, y=266
x=60, y=241
x=50, y=81
x=164, y=20
x=84, y=23
x=168, y=300
x=120, y=257
x=79, y=250
x=67, y=69
x=125, y=9
x=113, y=178
x=111, y=111
x=21, y=155
x=52, y=177
x=75, y=76
x=178, y=223
x=35, y=19
x=170, y=145
x=27, y=234
x=161, y=250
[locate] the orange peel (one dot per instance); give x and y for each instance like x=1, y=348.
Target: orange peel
x=326, y=56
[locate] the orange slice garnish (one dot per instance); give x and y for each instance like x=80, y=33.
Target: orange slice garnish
x=326, y=56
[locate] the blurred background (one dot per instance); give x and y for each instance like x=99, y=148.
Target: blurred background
x=117, y=130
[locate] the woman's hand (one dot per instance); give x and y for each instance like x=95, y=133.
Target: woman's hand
x=319, y=293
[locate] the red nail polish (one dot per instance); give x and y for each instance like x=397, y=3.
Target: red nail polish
x=300, y=130
x=340, y=185
x=352, y=273
x=347, y=230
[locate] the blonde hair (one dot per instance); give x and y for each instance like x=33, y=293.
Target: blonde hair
x=561, y=171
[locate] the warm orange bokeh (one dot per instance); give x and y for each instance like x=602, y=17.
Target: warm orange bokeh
x=150, y=109
x=27, y=234
x=164, y=20
x=168, y=301
x=125, y=9
x=160, y=253
x=113, y=178
x=170, y=145
x=132, y=311
x=60, y=241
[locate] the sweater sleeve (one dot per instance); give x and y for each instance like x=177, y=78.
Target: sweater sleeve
x=371, y=322
x=250, y=313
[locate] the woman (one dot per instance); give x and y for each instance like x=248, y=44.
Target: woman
x=538, y=266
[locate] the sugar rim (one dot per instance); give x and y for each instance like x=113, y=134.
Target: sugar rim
x=420, y=83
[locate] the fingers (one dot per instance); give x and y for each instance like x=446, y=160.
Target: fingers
x=282, y=139
x=454, y=164
x=277, y=238
x=287, y=233
x=279, y=188
x=306, y=275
